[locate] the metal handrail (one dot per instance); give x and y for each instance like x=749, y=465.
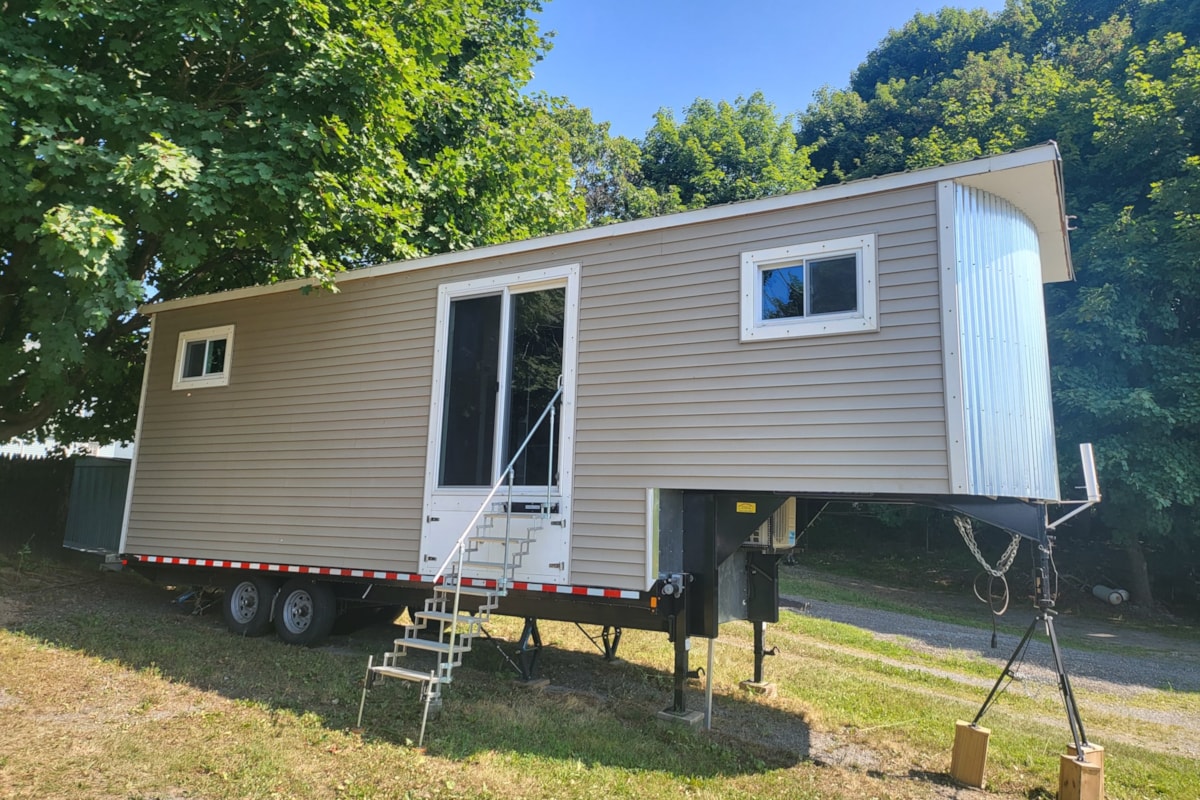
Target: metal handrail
x=506, y=476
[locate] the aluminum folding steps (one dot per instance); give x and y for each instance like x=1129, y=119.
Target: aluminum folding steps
x=457, y=610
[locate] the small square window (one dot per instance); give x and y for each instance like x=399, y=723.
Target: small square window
x=809, y=289
x=203, y=358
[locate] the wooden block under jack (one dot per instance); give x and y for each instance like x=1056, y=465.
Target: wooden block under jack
x=1081, y=780
x=1092, y=753
x=763, y=688
x=969, y=755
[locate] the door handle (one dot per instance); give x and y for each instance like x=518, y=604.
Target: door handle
x=432, y=519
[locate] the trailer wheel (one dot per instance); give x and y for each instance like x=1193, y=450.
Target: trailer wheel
x=247, y=605
x=305, y=611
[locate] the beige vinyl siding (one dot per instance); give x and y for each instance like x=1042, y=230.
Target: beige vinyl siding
x=315, y=452
x=668, y=397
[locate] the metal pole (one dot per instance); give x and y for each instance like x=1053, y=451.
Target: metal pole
x=503, y=582
x=679, y=704
x=1068, y=697
x=1007, y=671
x=453, y=626
x=708, y=687
x=366, y=685
x=1046, y=603
x=760, y=650
x=549, y=465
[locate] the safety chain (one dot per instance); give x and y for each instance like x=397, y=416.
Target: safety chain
x=998, y=603
x=967, y=532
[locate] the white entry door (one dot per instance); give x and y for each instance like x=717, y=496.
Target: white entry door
x=502, y=346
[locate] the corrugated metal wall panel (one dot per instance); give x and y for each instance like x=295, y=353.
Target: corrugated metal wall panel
x=1005, y=363
x=97, y=504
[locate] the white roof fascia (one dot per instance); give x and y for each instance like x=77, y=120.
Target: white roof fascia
x=1030, y=178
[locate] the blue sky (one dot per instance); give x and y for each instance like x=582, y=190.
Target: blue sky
x=624, y=59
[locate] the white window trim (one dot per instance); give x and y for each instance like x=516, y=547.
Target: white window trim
x=865, y=319
x=187, y=337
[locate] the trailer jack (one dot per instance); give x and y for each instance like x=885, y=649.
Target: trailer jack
x=606, y=641
x=529, y=647
x=1081, y=770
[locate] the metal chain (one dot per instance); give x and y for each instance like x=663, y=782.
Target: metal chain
x=967, y=531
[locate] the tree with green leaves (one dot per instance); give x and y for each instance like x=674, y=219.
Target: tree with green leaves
x=608, y=170
x=159, y=150
x=720, y=153
x=1118, y=89
x=1127, y=338
x=724, y=152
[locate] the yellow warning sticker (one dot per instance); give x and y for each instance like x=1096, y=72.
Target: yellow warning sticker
x=747, y=508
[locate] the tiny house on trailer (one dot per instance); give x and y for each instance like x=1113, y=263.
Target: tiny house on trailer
x=705, y=382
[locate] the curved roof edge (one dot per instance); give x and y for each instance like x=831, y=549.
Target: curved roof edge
x=1030, y=179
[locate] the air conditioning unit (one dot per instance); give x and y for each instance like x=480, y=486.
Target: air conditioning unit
x=778, y=532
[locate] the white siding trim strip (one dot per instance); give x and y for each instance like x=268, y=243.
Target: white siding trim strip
x=137, y=442
x=300, y=569
x=956, y=424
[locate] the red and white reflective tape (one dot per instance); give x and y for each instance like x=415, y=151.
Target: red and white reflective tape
x=582, y=591
x=379, y=575
x=258, y=566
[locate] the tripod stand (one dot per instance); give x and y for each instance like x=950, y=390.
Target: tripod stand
x=1045, y=616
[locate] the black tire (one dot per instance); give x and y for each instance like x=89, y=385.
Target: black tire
x=246, y=605
x=305, y=611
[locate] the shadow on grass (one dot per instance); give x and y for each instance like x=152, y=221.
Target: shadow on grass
x=594, y=713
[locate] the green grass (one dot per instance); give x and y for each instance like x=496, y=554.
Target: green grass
x=148, y=701
x=866, y=694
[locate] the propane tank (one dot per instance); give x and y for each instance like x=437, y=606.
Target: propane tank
x=1111, y=596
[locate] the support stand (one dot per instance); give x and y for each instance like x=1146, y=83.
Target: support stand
x=529, y=646
x=677, y=628
x=612, y=639
x=1077, y=761
x=606, y=641
x=761, y=651
x=683, y=646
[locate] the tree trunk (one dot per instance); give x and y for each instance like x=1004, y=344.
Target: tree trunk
x=1139, y=575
